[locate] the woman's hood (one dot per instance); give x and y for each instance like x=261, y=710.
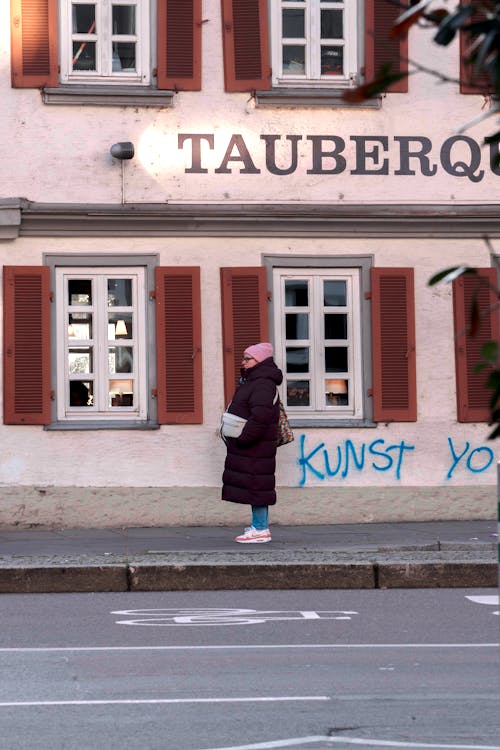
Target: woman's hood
x=265, y=369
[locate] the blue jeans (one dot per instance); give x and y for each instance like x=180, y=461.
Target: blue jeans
x=260, y=514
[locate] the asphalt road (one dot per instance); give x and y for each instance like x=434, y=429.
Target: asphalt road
x=254, y=669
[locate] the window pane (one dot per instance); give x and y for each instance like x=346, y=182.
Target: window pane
x=297, y=359
x=335, y=293
x=293, y=23
x=80, y=292
x=335, y=326
x=119, y=292
x=336, y=358
x=123, y=19
x=123, y=56
x=297, y=325
x=336, y=392
x=121, y=393
x=294, y=59
x=80, y=360
x=120, y=326
x=332, y=26
x=80, y=326
x=120, y=359
x=332, y=60
x=297, y=393
x=83, y=19
x=84, y=56
x=81, y=393
x=296, y=294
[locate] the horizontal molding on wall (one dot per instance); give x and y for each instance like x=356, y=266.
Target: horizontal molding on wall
x=249, y=220
x=10, y=218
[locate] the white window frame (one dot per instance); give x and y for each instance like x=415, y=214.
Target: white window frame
x=101, y=410
x=318, y=409
x=312, y=76
x=104, y=39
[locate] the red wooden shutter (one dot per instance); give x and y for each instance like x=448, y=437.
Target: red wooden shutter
x=245, y=36
x=179, y=45
x=26, y=355
x=380, y=47
x=34, y=52
x=469, y=82
x=393, y=341
x=473, y=395
x=244, y=318
x=178, y=343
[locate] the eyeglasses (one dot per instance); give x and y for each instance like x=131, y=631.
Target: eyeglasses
x=247, y=359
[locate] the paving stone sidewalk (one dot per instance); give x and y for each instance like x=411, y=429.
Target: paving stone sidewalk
x=388, y=555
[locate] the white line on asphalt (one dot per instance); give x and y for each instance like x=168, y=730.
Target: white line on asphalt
x=134, y=701
x=243, y=647
x=352, y=741
x=493, y=599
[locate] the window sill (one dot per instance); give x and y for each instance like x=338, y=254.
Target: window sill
x=298, y=423
x=116, y=425
x=108, y=96
x=296, y=97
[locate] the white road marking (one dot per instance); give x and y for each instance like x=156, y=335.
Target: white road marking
x=488, y=599
x=248, y=646
x=211, y=616
x=352, y=741
x=492, y=601
x=140, y=701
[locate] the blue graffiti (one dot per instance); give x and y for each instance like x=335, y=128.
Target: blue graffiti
x=475, y=466
x=377, y=455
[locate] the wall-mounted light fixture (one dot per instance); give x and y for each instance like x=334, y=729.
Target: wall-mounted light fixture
x=122, y=150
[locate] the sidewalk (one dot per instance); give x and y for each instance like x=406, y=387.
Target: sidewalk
x=383, y=555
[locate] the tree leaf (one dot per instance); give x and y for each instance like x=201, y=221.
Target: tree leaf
x=408, y=18
x=452, y=23
x=496, y=432
x=489, y=351
x=373, y=88
x=449, y=275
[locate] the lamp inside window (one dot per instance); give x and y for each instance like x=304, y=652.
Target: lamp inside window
x=336, y=392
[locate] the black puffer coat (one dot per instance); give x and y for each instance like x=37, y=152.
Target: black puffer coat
x=251, y=459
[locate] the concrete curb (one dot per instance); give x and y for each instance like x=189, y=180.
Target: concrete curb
x=251, y=576
x=122, y=578
x=438, y=575
x=63, y=580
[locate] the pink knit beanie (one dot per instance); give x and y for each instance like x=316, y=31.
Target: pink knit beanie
x=261, y=351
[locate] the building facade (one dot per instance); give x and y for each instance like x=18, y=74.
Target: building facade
x=181, y=179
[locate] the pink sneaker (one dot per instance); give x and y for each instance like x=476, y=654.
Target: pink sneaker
x=254, y=536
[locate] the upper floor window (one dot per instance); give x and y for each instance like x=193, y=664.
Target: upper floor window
x=281, y=46
x=105, y=40
x=314, y=42
x=147, y=46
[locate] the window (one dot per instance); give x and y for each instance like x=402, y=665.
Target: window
x=318, y=341
x=101, y=366
x=105, y=41
x=320, y=44
x=314, y=42
x=344, y=333
x=134, y=45
x=102, y=342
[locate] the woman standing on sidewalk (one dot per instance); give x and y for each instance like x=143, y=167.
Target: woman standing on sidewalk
x=251, y=458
